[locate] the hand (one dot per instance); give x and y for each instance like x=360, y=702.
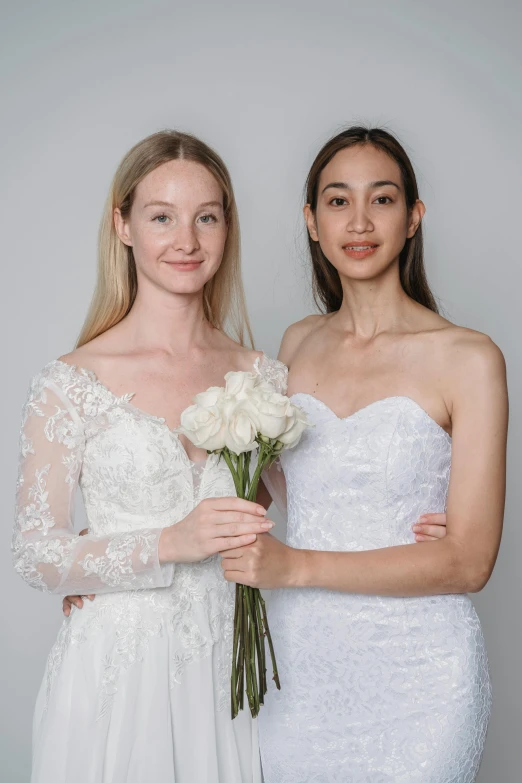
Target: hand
x=267, y=563
x=430, y=527
x=76, y=600
x=215, y=525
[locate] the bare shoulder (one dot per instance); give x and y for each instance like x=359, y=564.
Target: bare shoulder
x=472, y=370
x=95, y=354
x=297, y=333
x=468, y=351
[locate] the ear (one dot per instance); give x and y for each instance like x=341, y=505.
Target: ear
x=122, y=228
x=310, y=222
x=417, y=213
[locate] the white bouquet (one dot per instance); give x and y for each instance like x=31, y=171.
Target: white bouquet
x=247, y=415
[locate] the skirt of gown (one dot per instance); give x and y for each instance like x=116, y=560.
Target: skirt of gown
x=136, y=717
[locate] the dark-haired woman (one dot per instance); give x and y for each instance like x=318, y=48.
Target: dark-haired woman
x=381, y=654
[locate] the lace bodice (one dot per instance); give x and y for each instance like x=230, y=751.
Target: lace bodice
x=377, y=471
x=134, y=473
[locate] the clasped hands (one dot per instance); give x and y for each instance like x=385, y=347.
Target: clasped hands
x=252, y=558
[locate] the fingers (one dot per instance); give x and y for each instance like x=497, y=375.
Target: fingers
x=224, y=544
x=74, y=600
x=432, y=519
x=239, y=518
x=432, y=531
x=430, y=527
x=232, y=554
x=236, y=576
x=84, y=531
x=236, y=504
x=69, y=601
x=237, y=529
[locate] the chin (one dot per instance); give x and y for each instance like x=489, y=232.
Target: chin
x=360, y=271
x=365, y=269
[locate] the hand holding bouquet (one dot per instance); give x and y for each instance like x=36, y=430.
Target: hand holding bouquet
x=244, y=419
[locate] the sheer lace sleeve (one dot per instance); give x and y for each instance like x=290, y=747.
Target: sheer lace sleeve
x=47, y=553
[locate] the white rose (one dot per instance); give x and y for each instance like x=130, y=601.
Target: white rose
x=204, y=427
x=297, y=422
x=241, y=427
x=240, y=384
x=272, y=411
x=212, y=396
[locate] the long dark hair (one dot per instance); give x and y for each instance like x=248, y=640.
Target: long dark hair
x=326, y=284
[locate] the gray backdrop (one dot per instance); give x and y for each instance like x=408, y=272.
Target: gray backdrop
x=266, y=84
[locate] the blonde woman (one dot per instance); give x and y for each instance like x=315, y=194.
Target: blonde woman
x=137, y=684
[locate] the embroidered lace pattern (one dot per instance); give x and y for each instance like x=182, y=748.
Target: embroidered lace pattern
x=374, y=689
x=136, y=479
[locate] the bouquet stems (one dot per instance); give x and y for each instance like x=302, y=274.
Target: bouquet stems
x=250, y=617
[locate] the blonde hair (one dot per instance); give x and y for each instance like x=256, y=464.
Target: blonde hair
x=116, y=287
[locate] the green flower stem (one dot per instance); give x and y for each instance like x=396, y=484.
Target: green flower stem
x=234, y=705
x=270, y=644
x=250, y=618
x=261, y=660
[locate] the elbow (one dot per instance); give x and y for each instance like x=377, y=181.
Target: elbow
x=477, y=579
x=472, y=575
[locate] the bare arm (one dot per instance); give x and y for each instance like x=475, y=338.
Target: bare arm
x=460, y=562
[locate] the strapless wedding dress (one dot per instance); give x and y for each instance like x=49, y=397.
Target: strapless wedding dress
x=373, y=689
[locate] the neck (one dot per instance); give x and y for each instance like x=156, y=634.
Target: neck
x=370, y=307
x=173, y=323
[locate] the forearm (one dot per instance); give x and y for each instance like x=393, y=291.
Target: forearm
x=68, y=564
x=441, y=567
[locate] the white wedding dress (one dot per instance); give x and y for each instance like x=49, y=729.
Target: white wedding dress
x=136, y=687
x=373, y=689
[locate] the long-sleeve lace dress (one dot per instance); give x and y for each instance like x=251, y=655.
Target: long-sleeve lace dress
x=136, y=687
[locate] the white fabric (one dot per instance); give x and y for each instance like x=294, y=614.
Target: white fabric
x=373, y=689
x=136, y=687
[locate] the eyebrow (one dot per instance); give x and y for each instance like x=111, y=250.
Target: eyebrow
x=170, y=204
x=380, y=183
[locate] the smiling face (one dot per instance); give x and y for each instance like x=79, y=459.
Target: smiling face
x=361, y=219
x=176, y=227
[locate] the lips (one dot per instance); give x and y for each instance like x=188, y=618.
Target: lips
x=185, y=266
x=360, y=249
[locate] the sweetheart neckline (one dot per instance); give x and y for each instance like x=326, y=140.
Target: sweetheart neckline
x=372, y=405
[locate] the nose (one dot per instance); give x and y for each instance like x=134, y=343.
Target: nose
x=185, y=238
x=359, y=219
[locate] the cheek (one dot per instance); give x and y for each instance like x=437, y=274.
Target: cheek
x=212, y=242
x=148, y=245
x=329, y=226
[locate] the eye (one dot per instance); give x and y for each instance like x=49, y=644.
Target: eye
x=206, y=219
x=338, y=201
x=162, y=219
x=383, y=200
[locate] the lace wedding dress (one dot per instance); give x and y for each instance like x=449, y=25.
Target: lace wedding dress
x=373, y=689
x=136, y=687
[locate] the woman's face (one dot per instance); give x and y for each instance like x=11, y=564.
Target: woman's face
x=361, y=221
x=176, y=227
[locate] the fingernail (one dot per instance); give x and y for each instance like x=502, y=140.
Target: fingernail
x=267, y=525
x=416, y=527
x=261, y=510
x=423, y=519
